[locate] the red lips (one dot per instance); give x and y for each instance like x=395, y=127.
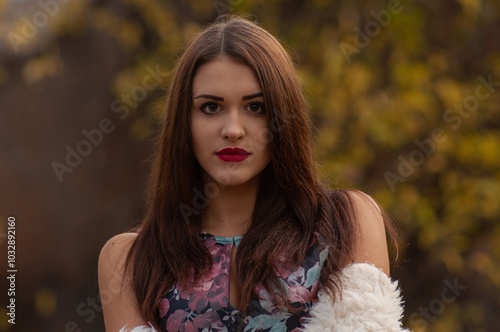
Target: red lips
x=233, y=154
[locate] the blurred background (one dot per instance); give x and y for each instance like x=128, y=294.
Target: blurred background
x=405, y=100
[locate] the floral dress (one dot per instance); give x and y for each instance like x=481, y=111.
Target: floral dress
x=206, y=307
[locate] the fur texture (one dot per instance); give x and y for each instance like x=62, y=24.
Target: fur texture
x=369, y=302
x=142, y=328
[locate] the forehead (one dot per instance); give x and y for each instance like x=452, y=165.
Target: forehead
x=225, y=75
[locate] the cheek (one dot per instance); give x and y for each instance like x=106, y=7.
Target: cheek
x=203, y=136
x=262, y=136
x=196, y=135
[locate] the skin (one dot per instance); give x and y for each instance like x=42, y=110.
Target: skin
x=233, y=122
x=236, y=121
x=228, y=111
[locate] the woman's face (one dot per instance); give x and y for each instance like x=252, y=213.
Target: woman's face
x=229, y=123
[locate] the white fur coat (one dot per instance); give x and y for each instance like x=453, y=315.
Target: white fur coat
x=369, y=301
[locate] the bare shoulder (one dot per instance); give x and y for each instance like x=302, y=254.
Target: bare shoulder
x=116, y=249
x=114, y=254
x=112, y=259
x=118, y=299
x=365, y=205
x=371, y=243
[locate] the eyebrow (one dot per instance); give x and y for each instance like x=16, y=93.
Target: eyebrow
x=210, y=97
x=253, y=95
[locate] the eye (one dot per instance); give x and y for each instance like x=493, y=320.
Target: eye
x=210, y=108
x=256, y=107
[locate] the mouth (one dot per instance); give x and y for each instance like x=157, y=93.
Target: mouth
x=232, y=154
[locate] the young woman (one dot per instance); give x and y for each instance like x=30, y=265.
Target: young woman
x=239, y=234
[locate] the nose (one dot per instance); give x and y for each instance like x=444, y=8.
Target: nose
x=233, y=128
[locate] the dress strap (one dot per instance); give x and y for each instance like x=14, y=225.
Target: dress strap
x=225, y=239
x=229, y=239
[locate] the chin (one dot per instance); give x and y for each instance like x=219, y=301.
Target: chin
x=227, y=178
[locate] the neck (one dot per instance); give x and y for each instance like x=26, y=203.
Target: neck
x=230, y=212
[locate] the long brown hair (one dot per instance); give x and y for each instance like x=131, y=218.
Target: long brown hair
x=291, y=203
